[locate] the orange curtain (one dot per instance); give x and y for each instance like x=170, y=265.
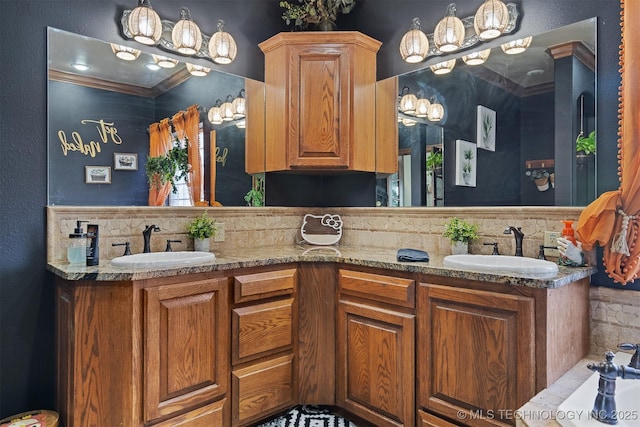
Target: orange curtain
x=612, y=220
x=159, y=144
x=191, y=125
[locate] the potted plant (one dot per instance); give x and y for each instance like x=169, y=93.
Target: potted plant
x=586, y=145
x=460, y=233
x=322, y=13
x=434, y=160
x=201, y=229
x=255, y=196
x=170, y=167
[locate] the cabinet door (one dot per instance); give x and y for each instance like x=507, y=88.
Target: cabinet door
x=186, y=345
x=476, y=353
x=376, y=364
x=319, y=101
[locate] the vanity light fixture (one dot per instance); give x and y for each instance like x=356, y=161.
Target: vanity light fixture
x=144, y=24
x=226, y=109
x=516, y=46
x=436, y=111
x=152, y=66
x=408, y=122
x=186, y=35
x=408, y=101
x=422, y=106
x=491, y=19
x=477, y=58
x=238, y=106
x=124, y=52
x=414, y=45
x=443, y=67
x=449, y=32
x=241, y=124
x=164, y=61
x=222, y=47
x=183, y=37
x=197, y=70
x=215, y=115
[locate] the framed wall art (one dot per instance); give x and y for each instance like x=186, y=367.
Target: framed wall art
x=125, y=161
x=486, y=128
x=465, y=163
x=97, y=174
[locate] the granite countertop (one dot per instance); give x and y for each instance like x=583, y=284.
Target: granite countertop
x=265, y=256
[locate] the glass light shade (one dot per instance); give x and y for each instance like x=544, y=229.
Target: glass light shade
x=449, y=33
x=436, y=112
x=238, y=106
x=222, y=47
x=144, y=24
x=186, y=35
x=422, y=107
x=198, y=70
x=241, y=124
x=164, y=61
x=476, y=58
x=517, y=46
x=491, y=19
x=215, y=115
x=226, y=110
x=443, y=67
x=408, y=103
x=125, y=53
x=408, y=122
x=414, y=45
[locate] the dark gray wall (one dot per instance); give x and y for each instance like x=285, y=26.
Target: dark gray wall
x=26, y=292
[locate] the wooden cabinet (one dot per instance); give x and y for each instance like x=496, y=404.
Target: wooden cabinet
x=264, y=332
x=477, y=353
x=185, y=346
x=320, y=103
x=150, y=352
x=375, y=342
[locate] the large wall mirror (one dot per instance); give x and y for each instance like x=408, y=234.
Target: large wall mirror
x=98, y=119
x=508, y=128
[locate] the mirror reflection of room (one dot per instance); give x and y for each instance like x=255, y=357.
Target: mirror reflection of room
x=537, y=106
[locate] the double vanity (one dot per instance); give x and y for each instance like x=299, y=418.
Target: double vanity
x=241, y=338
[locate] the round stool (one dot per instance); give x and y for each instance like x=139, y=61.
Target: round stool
x=41, y=418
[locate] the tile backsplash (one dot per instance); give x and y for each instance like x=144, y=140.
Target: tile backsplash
x=615, y=314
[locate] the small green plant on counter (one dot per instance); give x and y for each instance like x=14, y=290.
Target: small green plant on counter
x=202, y=227
x=255, y=196
x=458, y=230
x=586, y=144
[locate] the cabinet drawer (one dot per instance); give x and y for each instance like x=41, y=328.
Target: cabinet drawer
x=250, y=287
x=211, y=415
x=428, y=420
x=262, y=389
x=377, y=287
x=261, y=329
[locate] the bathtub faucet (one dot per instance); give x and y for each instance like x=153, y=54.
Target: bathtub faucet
x=604, y=407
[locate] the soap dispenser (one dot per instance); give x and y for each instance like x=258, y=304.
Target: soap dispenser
x=567, y=231
x=77, y=245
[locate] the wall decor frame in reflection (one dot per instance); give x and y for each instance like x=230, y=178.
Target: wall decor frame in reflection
x=97, y=174
x=466, y=153
x=125, y=161
x=486, y=128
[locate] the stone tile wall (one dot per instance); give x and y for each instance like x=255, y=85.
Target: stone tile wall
x=615, y=318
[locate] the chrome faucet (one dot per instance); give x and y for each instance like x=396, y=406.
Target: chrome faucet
x=519, y=235
x=147, y=237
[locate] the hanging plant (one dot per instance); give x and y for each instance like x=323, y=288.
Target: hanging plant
x=434, y=160
x=255, y=196
x=586, y=144
x=170, y=167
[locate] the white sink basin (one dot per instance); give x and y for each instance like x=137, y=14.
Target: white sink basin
x=163, y=259
x=576, y=410
x=502, y=264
